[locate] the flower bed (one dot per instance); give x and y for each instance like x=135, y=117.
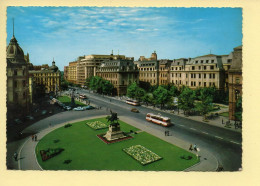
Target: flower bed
x=142, y=154
x=47, y=154
x=97, y=125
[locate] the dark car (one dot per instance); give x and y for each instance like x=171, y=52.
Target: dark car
x=135, y=110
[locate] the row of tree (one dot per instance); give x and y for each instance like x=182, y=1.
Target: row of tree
x=100, y=85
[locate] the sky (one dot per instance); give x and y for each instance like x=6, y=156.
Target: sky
x=64, y=33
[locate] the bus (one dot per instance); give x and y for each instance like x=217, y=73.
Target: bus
x=132, y=102
x=158, y=119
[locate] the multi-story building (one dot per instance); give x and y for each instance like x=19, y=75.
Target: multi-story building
x=164, y=71
x=205, y=71
x=18, y=95
x=226, y=60
x=120, y=72
x=148, y=69
x=177, y=72
x=235, y=81
x=70, y=72
x=48, y=79
x=87, y=65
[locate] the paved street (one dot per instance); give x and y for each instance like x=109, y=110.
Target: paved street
x=218, y=146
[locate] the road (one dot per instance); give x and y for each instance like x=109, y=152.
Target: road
x=224, y=144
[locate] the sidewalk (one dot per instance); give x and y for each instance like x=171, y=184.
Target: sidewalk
x=28, y=161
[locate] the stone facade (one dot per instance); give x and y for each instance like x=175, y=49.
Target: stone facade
x=120, y=72
x=235, y=79
x=164, y=71
x=49, y=78
x=70, y=72
x=18, y=94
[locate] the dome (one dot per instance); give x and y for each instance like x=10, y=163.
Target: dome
x=13, y=50
x=54, y=67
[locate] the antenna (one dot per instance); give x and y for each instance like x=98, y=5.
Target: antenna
x=13, y=27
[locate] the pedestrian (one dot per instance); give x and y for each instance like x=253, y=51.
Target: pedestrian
x=32, y=137
x=195, y=147
x=50, y=124
x=15, y=156
x=190, y=147
x=165, y=133
x=35, y=137
x=222, y=121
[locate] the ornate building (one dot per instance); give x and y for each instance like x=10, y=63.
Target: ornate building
x=148, y=69
x=46, y=79
x=18, y=95
x=70, y=72
x=178, y=73
x=164, y=71
x=235, y=81
x=120, y=72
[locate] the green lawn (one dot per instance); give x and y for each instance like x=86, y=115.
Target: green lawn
x=66, y=100
x=225, y=114
x=87, y=152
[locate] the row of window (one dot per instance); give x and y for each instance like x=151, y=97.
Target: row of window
x=205, y=76
x=211, y=67
x=202, y=61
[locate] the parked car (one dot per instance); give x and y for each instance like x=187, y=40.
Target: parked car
x=89, y=107
x=18, y=121
x=29, y=118
x=44, y=112
x=67, y=108
x=78, y=109
x=135, y=110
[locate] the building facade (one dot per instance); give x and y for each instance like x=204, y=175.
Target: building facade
x=70, y=72
x=18, y=95
x=177, y=72
x=49, y=79
x=164, y=71
x=120, y=72
x=235, y=81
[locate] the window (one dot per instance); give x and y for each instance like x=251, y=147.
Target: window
x=209, y=84
x=212, y=61
x=194, y=83
x=207, y=61
x=179, y=68
x=211, y=67
x=196, y=61
x=204, y=75
x=213, y=84
x=229, y=60
x=199, y=75
x=205, y=84
x=180, y=82
x=237, y=80
x=176, y=82
x=24, y=83
x=213, y=76
x=191, y=75
x=201, y=61
x=180, y=74
x=209, y=76
x=199, y=83
x=186, y=82
x=205, y=67
x=15, y=84
x=186, y=75
x=15, y=72
x=194, y=75
x=199, y=67
x=193, y=67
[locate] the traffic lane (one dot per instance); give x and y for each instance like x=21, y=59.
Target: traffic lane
x=199, y=127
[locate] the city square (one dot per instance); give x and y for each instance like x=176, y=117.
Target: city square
x=161, y=109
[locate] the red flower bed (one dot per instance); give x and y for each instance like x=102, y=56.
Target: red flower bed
x=47, y=154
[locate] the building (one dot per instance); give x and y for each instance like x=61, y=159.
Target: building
x=87, y=65
x=235, y=81
x=164, y=71
x=18, y=95
x=205, y=71
x=120, y=72
x=46, y=80
x=177, y=72
x=148, y=69
x=70, y=72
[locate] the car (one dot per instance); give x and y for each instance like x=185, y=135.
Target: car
x=18, y=121
x=135, y=110
x=67, y=108
x=29, y=118
x=78, y=109
x=89, y=107
x=44, y=112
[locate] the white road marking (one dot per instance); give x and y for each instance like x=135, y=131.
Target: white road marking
x=193, y=129
x=181, y=125
x=235, y=142
x=218, y=137
x=205, y=133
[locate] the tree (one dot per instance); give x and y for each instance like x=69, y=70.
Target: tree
x=205, y=105
x=64, y=85
x=107, y=87
x=132, y=89
x=174, y=91
x=140, y=93
x=186, y=100
x=161, y=96
x=239, y=109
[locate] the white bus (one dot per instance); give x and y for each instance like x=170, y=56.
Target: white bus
x=132, y=102
x=158, y=119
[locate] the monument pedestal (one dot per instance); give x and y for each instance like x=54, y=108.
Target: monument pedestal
x=114, y=132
